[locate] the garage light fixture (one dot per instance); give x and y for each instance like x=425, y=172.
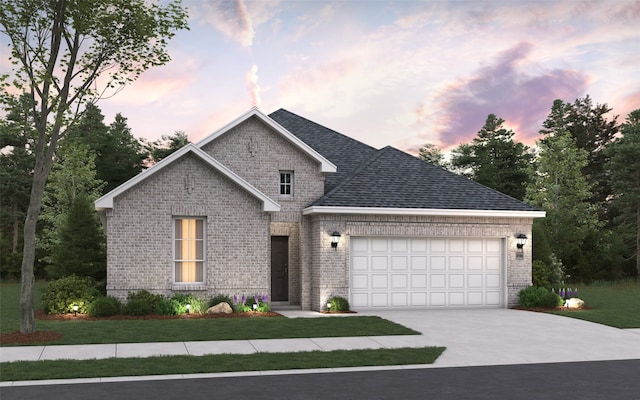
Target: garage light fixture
x=335, y=238
x=521, y=240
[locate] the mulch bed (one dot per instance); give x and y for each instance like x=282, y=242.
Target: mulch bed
x=48, y=336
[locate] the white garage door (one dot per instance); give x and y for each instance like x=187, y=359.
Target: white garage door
x=425, y=273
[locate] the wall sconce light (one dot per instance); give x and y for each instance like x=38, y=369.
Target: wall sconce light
x=335, y=238
x=75, y=310
x=521, y=240
x=188, y=308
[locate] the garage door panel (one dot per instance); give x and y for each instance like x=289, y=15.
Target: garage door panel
x=379, y=299
x=426, y=272
x=399, y=282
x=399, y=263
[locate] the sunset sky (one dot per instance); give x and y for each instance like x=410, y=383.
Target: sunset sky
x=400, y=73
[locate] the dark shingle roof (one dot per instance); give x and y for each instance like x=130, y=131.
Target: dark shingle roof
x=344, y=152
x=390, y=178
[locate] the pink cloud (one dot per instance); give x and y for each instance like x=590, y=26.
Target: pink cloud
x=251, y=80
x=502, y=88
x=232, y=19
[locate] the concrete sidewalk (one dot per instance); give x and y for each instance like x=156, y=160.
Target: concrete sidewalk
x=472, y=338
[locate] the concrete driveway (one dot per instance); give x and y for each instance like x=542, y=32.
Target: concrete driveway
x=504, y=336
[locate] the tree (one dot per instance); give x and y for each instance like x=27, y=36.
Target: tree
x=59, y=49
x=16, y=164
x=592, y=132
x=560, y=188
x=624, y=154
x=119, y=155
x=431, y=153
x=166, y=146
x=73, y=176
x=495, y=160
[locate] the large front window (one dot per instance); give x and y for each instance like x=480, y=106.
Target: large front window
x=189, y=250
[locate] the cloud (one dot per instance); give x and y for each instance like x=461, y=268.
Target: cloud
x=503, y=88
x=231, y=18
x=251, y=79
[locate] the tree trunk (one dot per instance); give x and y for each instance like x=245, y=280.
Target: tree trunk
x=638, y=243
x=16, y=229
x=40, y=174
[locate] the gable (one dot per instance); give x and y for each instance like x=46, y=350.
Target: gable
x=107, y=201
x=325, y=166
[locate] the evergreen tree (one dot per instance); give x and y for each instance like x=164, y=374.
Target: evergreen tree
x=81, y=249
x=495, y=160
x=624, y=166
x=431, y=153
x=167, y=145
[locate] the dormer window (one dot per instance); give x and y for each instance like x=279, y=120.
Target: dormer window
x=286, y=183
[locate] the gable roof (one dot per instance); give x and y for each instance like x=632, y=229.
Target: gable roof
x=106, y=201
x=346, y=153
x=326, y=166
x=394, y=182
x=390, y=181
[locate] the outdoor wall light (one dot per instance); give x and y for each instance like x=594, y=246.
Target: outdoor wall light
x=75, y=310
x=521, y=240
x=335, y=238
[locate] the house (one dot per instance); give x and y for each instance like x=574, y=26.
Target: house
x=278, y=205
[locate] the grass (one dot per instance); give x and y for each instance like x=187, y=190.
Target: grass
x=180, y=330
x=136, y=331
x=67, y=369
x=615, y=304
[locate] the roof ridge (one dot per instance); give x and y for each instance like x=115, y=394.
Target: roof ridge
x=354, y=172
x=324, y=127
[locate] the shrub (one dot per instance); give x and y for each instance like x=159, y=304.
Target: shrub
x=535, y=296
x=248, y=302
x=170, y=307
x=59, y=296
x=151, y=299
x=104, y=306
x=338, y=303
x=548, y=274
x=198, y=306
x=137, y=307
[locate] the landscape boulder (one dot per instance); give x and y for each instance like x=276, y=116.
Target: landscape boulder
x=220, y=308
x=574, y=303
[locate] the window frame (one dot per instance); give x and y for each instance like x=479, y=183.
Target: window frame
x=174, y=248
x=284, y=185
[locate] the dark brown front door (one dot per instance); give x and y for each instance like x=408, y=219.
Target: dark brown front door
x=279, y=268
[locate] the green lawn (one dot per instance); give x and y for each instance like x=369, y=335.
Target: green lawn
x=135, y=331
x=613, y=304
x=179, y=330
x=66, y=369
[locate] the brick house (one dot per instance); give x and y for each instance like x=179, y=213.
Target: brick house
x=282, y=206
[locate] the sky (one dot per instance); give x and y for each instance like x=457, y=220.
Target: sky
x=399, y=73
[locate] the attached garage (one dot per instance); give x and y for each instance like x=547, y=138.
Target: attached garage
x=408, y=272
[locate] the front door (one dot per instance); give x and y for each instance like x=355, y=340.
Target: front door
x=279, y=268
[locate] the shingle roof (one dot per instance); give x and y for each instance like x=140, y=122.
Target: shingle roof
x=390, y=178
x=344, y=152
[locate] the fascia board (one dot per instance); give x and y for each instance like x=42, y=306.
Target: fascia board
x=422, y=211
x=268, y=205
x=326, y=166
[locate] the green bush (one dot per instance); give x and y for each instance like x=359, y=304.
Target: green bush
x=549, y=274
x=104, y=306
x=535, y=296
x=170, y=307
x=198, y=306
x=338, y=303
x=151, y=299
x=248, y=302
x=59, y=296
x=137, y=307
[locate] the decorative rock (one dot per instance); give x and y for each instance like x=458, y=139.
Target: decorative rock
x=220, y=308
x=574, y=303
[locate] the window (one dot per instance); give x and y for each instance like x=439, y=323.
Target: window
x=189, y=250
x=286, y=183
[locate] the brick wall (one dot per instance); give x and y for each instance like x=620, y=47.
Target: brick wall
x=140, y=232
